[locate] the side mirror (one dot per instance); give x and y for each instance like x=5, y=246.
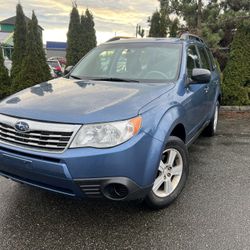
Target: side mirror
x=200, y=76
x=68, y=69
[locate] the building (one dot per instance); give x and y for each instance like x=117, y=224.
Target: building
x=7, y=28
x=56, y=49
x=6, y=43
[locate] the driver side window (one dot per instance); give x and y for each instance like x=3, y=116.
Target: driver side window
x=192, y=60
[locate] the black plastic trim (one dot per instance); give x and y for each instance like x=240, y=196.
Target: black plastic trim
x=96, y=188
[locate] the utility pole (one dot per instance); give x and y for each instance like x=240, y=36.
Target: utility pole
x=139, y=31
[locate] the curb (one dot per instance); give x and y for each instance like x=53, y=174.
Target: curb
x=235, y=108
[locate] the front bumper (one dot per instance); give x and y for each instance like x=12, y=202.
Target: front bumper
x=124, y=172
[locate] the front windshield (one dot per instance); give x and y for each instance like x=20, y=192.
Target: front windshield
x=53, y=64
x=143, y=62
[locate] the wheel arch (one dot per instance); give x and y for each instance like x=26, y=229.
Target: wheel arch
x=179, y=131
x=172, y=124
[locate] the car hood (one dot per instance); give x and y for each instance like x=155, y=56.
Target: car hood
x=77, y=101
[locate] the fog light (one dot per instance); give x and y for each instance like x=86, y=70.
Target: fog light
x=116, y=191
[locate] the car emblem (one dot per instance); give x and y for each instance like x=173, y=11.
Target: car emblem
x=22, y=126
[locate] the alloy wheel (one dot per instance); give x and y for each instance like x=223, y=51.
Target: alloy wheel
x=169, y=173
x=216, y=116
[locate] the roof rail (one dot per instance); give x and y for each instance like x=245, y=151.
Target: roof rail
x=188, y=36
x=117, y=38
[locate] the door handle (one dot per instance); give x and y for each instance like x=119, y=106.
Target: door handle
x=206, y=89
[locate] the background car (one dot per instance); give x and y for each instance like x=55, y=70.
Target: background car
x=62, y=60
x=52, y=72
x=56, y=66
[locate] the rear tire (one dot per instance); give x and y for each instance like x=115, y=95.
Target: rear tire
x=210, y=130
x=171, y=175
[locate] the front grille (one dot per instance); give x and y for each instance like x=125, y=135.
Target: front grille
x=42, y=136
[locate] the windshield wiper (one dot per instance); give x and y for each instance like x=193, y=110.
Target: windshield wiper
x=113, y=79
x=75, y=77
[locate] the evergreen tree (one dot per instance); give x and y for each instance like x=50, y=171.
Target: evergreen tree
x=44, y=68
x=174, y=28
x=34, y=67
x=74, y=50
x=188, y=10
x=161, y=23
x=236, y=85
x=88, y=33
x=165, y=20
x=4, y=78
x=211, y=31
x=83, y=34
x=19, y=38
x=156, y=25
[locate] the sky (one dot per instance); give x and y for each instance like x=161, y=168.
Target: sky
x=112, y=17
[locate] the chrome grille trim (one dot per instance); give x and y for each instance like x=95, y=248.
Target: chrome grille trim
x=42, y=136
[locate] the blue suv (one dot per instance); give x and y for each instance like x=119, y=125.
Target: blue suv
x=118, y=125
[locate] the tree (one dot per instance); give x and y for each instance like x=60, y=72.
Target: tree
x=214, y=20
x=19, y=38
x=88, y=33
x=165, y=11
x=73, y=52
x=188, y=11
x=4, y=78
x=199, y=16
x=174, y=28
x=45, y=72
x=34, y=67
x=160, y=23
x=156, y=25
x=236, y=85
x=211, y=30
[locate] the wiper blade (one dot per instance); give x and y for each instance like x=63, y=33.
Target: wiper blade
x=113, y=79
x=76, y=77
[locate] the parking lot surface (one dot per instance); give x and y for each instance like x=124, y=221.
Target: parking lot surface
x=213, y=211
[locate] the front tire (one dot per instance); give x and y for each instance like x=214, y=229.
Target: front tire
x=171, y=175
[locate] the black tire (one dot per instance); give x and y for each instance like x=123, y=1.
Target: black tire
x=210, y=130
x=156, y=202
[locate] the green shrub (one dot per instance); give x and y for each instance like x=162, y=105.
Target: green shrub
x=236, y=84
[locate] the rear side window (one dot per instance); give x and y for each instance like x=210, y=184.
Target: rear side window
x=192, y=60
x=205, y=61
x=213, y=64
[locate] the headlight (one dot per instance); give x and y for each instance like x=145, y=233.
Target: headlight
x=105, y=135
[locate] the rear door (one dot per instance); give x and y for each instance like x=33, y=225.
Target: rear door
x=215, y=81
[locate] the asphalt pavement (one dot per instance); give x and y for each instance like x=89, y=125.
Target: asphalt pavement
x=213, y=211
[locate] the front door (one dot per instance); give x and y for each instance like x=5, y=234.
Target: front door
x=196, y=95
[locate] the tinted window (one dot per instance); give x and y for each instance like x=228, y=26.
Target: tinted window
x=53, y=64
x=213, y=64
x=204, y=58
x=192, y=60
x=146, y=62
